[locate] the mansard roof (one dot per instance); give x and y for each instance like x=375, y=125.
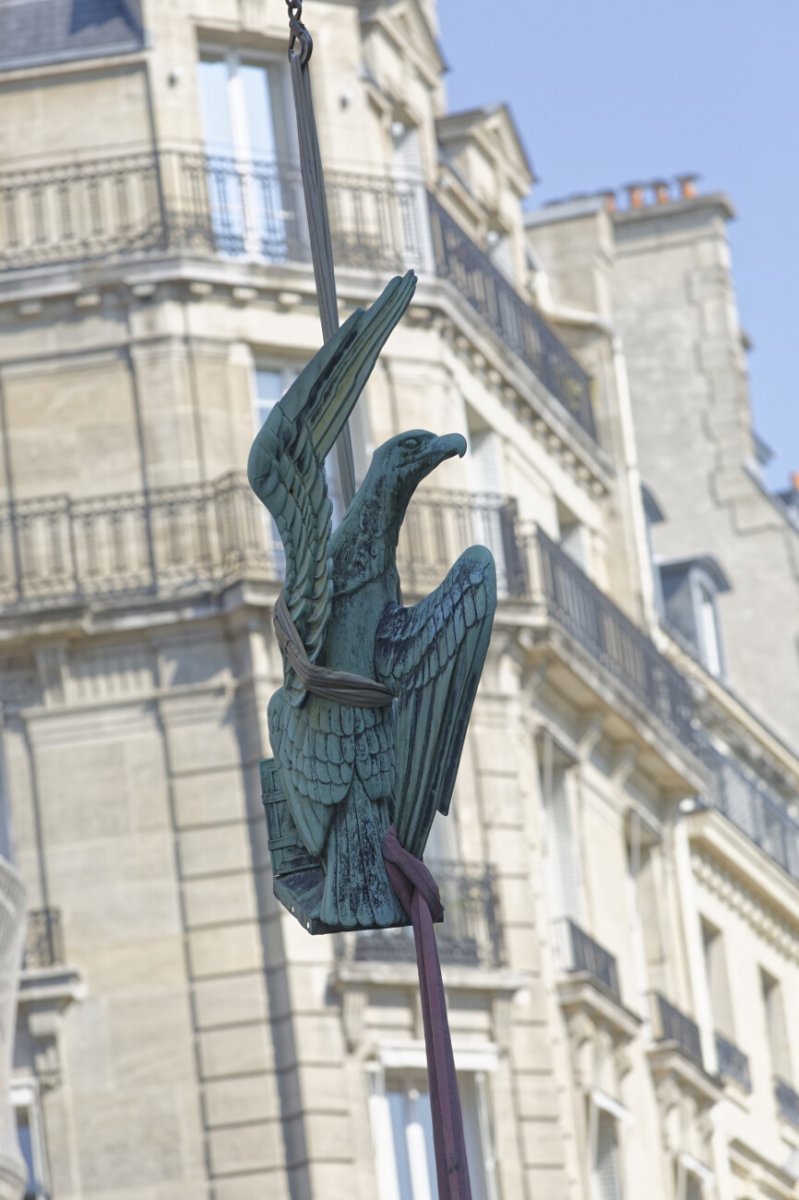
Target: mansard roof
x=40, y=31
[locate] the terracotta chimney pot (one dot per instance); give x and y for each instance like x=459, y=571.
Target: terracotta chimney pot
x=635, y=192
x=687, y=185
x=662, y=191
x=795, y=481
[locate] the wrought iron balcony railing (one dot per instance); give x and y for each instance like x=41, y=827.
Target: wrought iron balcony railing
x=514, y=321
x=624, y=650
x=579, y=952
x=168, y=541
x=471, y=933
x=183, y=200
x=439, y=525
x=757, y=811
x=787, y=1101
x=733, y=1063
x=56, y=550
x=672, y=1025
x=44, y=943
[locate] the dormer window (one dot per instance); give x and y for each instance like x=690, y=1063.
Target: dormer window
x=690, y=590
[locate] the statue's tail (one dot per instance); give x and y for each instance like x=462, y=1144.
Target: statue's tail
x=357, y=891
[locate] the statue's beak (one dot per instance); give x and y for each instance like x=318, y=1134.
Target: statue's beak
x=446, y=447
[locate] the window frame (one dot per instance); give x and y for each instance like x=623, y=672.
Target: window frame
x=234, y=58
x=25, y=1094
x=407, y=1061
x=603, y=1107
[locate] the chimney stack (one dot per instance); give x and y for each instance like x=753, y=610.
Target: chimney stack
x=662, y=191
x=795, y=481
x=687, y=185
x=635, y=193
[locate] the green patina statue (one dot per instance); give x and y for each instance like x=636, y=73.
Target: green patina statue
x=368, y=728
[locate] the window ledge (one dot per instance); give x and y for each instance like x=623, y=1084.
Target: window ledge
x=468, y=979
x=580, y=991
x=668, y=1062
x=55, y=987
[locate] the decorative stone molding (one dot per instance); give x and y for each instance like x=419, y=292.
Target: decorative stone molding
x=769, y=922
x=43, y=996
x=600, y=1030
x=685, y=1095
x=357, y=982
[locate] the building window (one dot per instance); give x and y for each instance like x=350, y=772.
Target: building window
x=690, y=606
x=718, y=981
x=403, y=1135
x=776, y=1029
x=645, y=887
x=30, y=1134
x=605, y=1164
x=270, y=384
x=572, y=535
x=562, y=849
x=694, y=1180
x=252, y=194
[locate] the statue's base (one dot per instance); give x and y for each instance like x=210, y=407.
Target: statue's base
x=298, y=877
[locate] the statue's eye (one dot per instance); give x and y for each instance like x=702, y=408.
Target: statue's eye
x=411, y=443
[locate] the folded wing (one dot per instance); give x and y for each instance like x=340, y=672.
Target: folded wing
x=286, y=463
x=432, y=655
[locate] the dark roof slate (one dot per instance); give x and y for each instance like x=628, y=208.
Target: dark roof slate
x=41, y=31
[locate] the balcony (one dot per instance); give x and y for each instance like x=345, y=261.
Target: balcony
x=515, y=323
x=612, y=640
x=440, y=525
x=579, y=953
x=671, y=1025
x=733, y=1063
x=175, y=542
x=148, y=204
x=470, y=936
x=757, y=811
x=44, y=944
x=787, y=1102
x=168, y=542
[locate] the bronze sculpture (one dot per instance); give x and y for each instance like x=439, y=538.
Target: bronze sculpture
x=368, y=728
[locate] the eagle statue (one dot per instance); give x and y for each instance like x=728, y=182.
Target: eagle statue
x=368, y=727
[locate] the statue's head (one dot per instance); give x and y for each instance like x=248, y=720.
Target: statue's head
x=406, y=459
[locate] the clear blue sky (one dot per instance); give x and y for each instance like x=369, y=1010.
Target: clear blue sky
x=633, y=90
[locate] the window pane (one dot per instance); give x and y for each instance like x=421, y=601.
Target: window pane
x=214, y=107
x=693, y=1188
x=710, y=632
x=260, y=118
x=606, y=1170
x=412, y=1131
x=25, y=1137
x=269, y=389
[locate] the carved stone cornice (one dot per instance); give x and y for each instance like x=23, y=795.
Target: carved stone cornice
x=600, y=1030
x=775, y=923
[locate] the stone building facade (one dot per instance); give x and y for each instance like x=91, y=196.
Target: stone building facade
x=624, y=815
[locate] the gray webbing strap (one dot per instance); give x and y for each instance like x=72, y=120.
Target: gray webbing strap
x=343, y=687
x=313, y=184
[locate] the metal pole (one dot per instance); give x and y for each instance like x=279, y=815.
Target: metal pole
x=313, y=184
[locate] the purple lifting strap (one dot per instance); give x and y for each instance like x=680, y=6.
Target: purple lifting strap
x=417, y=892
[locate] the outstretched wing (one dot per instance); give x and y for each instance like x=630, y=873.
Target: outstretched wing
x=432, y=655
x=286, y=463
